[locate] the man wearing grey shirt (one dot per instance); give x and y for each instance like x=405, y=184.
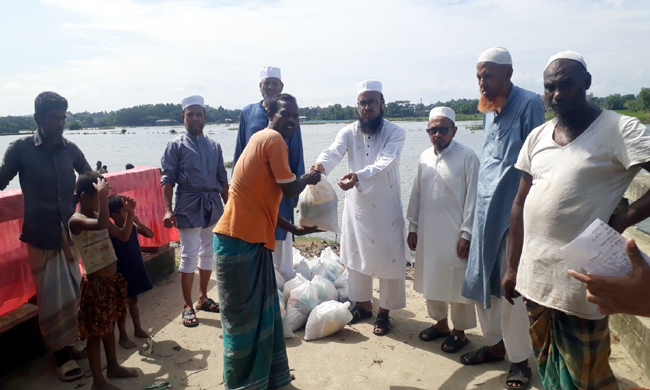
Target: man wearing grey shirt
x=194, y=163
x=45, y=163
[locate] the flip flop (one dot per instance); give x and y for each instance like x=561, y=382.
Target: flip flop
x=187, y=315
x=455, y=342
x=209, y=305
x=519, y=375
x=359, y=314
x=67, y=368
x=383, y=324
x=433, y=333
x=479, y=356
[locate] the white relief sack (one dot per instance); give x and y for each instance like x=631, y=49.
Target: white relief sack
x=326, y=319
x=302, y=300
x=325, y=289
x=293, y=283
x=318, y=206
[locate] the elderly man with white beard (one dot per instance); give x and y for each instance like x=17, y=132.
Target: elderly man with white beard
x=373, y=243
x=440, y=215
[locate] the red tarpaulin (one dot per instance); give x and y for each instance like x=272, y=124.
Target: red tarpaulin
x=16, y=284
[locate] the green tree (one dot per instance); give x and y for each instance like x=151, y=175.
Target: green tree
x=644, y=98
x=75, y=126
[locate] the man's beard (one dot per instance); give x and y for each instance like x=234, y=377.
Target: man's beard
x=486, y=105
x=371, y=126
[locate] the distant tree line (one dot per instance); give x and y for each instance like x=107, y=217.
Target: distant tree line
x=148, y=114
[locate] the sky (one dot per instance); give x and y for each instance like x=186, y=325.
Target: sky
x=104, y=55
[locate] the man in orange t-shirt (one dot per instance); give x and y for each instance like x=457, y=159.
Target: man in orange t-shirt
x=253, y=339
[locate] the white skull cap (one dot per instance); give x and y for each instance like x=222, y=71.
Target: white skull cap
x=368, y=85
x=567, y=55
x=444, y=112
x=192, y=100
x=497, y=54
x=270, y=71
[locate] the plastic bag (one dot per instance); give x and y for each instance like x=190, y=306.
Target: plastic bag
x=302, y=300
x=288, y=334
x=325, y=289
x=332, y=261
x=326, y=319
x=297, y=256
x=341, y=284
x=279, y=280
x=318, y=206
x=303, y=269
x=323, y=271
x=293, y=283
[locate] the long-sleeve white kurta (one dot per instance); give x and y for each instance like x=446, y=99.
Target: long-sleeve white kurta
x=441, y=211
x=373, y=239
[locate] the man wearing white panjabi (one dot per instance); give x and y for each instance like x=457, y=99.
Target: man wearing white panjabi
x=441, y=214
x=373, y=242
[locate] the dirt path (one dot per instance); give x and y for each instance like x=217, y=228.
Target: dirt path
x=351, y=359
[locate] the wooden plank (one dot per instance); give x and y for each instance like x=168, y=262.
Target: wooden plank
x=15, y=317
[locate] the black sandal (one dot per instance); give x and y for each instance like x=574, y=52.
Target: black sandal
x=359, y=314
x=519, y=375
x=432, y=333
x=455, y=342
x=209, y=305
x=383, y=324
x=479, y=356
x=187, y=315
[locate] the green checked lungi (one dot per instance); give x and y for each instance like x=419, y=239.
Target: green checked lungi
x=572, y=352
x=253, y=340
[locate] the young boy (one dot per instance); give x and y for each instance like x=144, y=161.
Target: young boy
x=124, y=236
x=103, y=292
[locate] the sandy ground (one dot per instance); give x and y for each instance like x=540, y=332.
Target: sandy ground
x=351, y=359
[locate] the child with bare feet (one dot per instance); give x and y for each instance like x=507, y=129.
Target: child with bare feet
x=124, y=235
x=103, y=300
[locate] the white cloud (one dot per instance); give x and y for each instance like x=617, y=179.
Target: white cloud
x=124, y=52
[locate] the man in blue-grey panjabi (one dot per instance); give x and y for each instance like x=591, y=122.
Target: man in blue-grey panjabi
x=194, y=163
x=510, y=113
x=253, y=119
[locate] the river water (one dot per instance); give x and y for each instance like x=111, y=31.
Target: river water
x=143, y=146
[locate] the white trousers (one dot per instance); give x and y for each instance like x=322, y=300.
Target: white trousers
x=196, y=242
x=283, y=257
x=463, y=315
x=392, y=292
x=506, y=322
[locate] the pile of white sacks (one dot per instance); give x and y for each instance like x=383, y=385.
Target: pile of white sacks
x=317, y=298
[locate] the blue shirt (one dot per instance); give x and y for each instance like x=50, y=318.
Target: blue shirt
x=253, y=119
x=498, y=182
x=195, y=164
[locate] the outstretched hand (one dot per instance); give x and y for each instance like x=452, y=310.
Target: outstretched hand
x=317, y=167
x=352, y=180
x=304, y=230
x=620, y=294
x=311, y=177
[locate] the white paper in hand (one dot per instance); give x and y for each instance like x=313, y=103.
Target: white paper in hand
x=600, y=250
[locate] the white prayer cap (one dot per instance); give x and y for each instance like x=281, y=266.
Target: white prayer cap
x=497, y=54
x=567, y=55
x=270, y=71
x=368, y=85
x=444, y=112
x=193, y=100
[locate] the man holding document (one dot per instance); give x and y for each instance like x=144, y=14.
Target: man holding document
x=576, y=169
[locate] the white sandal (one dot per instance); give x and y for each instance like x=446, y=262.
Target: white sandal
x=67, y=367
